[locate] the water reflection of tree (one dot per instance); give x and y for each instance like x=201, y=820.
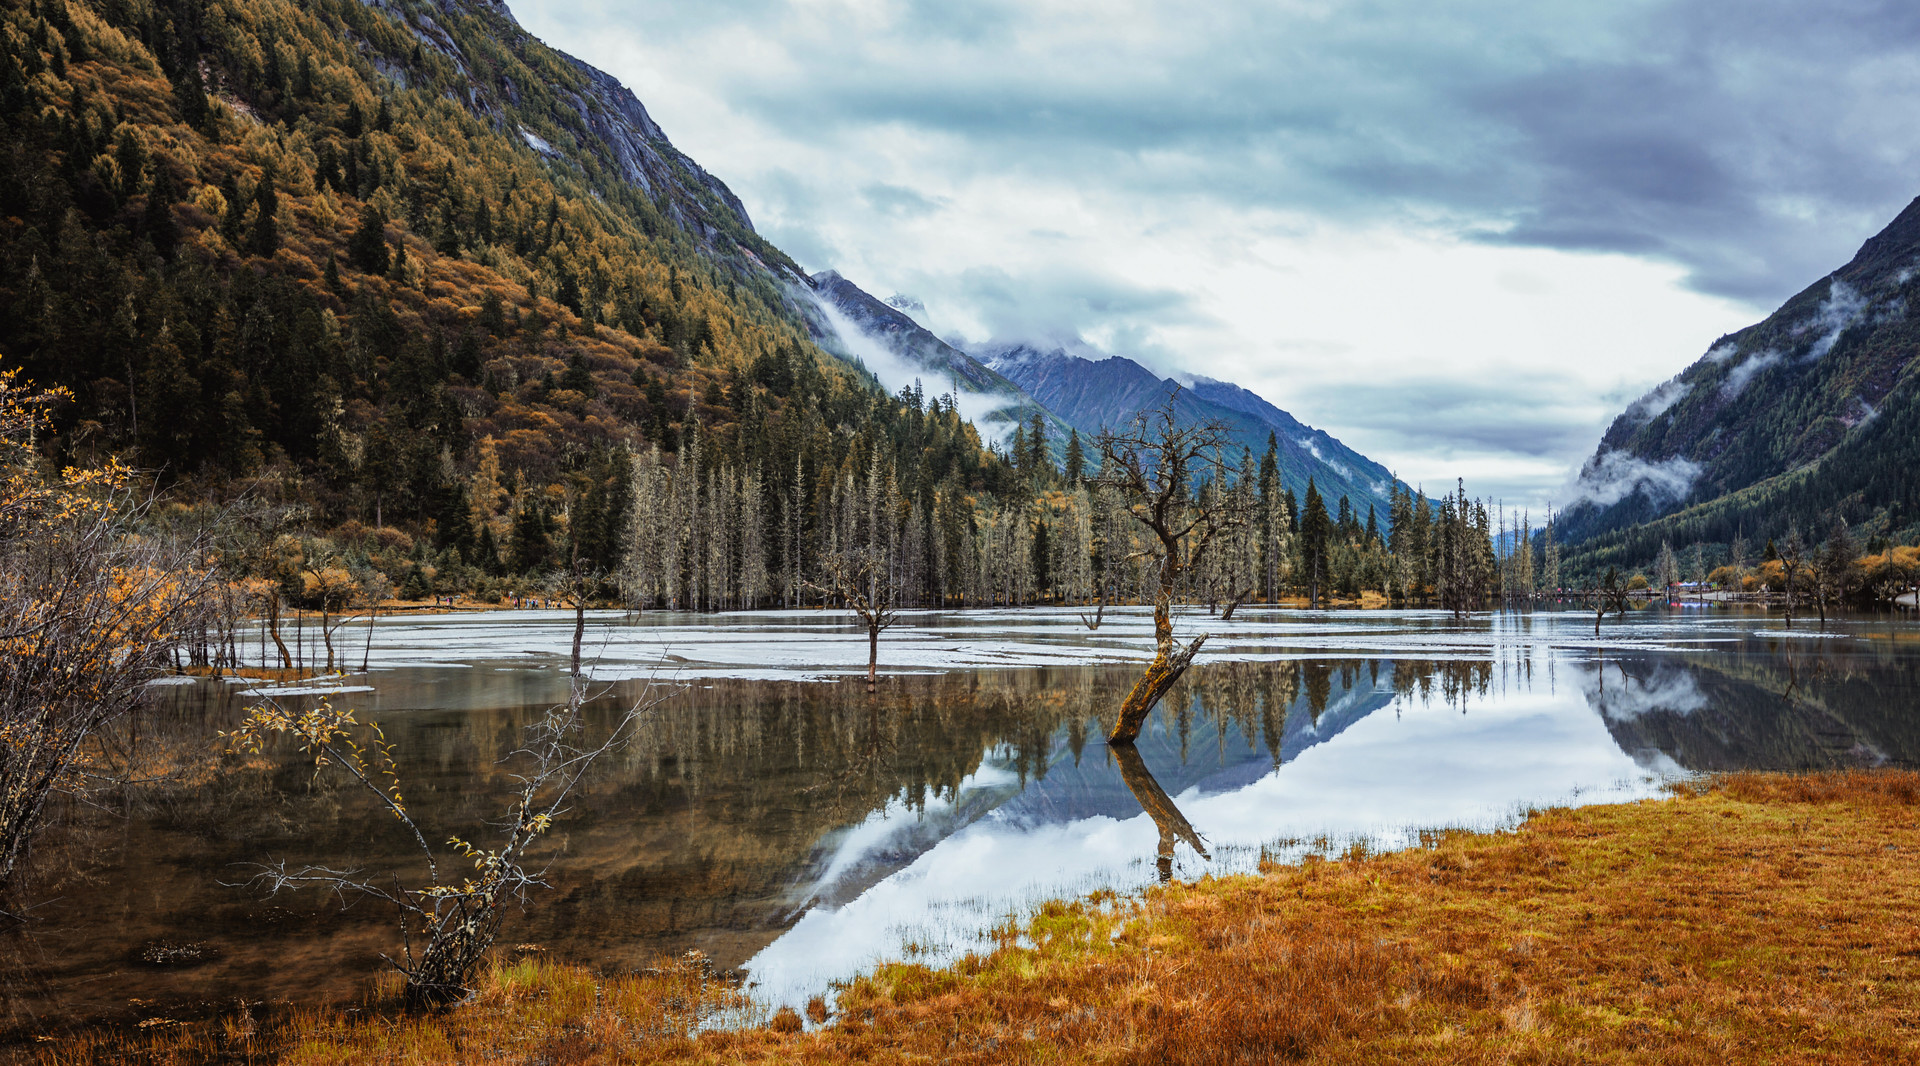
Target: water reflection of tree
x=693, y=838
x=1454, y=682
x=1798, y=705
x=1173, y=825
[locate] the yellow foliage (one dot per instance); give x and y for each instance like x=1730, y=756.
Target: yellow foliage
x=28, y=498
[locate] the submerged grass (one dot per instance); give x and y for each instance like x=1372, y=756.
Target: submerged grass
x=1753, y=918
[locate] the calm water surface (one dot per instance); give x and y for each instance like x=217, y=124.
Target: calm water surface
x=777, y=817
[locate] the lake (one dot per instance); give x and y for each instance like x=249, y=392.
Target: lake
x=776, y=816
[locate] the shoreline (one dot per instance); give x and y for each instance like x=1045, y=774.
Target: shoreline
x=1746, y=917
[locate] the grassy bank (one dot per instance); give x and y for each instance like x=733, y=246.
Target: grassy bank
x=1757, y=919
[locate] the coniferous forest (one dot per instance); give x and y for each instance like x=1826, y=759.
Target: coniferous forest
x=365, y=287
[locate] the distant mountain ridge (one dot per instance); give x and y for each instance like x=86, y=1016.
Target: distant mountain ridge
x=1091, y=394
x=1810, y=414
x=855, y=325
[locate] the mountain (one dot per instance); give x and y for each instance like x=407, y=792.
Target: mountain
x=1810, y=415
x=1092, y=394
x=401, y=264
x=883, y=338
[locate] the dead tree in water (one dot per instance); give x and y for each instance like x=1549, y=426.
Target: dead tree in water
x=1155, y=465
x=859, y=579
x=1611, y=595
x=575, y=585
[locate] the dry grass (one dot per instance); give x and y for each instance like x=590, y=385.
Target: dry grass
x=1758, y=919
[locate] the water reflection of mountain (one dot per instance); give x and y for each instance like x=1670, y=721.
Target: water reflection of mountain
x=1216, y=734
x=743, y=802
x=1771, y=706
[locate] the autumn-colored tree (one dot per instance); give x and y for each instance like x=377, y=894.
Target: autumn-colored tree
x=331, y=589
x=88, y=614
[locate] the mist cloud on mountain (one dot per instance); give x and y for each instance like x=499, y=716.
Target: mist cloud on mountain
x=1167, y=180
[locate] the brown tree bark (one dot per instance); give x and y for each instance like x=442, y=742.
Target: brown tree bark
x=1170, y=660
x=273, y=628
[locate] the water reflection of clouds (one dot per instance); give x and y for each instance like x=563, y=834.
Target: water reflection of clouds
x=1382, y=778
x=1621, y=696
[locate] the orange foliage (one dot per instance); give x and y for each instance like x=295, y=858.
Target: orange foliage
x=1764, y=919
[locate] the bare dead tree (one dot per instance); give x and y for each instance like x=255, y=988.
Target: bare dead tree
x=448, y=922
x=1099, y=615
x=858, y=577
x=1793, y=558
x=1156, y=464
x=575, y=585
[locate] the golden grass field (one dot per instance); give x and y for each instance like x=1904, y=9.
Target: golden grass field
x=1755, y=918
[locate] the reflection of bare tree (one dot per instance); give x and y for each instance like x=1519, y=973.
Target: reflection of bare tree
x=866, y=765
x=1457, y=682
x=1155, y=801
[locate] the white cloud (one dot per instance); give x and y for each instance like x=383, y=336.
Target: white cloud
x=1613, y=476
x=1315, y=202
x=1842, y=308
x=1741, y=375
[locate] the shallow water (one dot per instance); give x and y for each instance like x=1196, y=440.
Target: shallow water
x=777, y=817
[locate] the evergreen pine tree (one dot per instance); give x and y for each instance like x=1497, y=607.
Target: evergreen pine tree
x=367, y=248
x=1076, y=459
x=265, y=238
x=1316, y=535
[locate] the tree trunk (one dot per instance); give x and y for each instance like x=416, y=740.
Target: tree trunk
x=273, y=628
x=326, y=634
x=579, y=629
x=873, y=655
x=366, y=650
x=1233, y=604
x=1099, y=612
x=1170, y=660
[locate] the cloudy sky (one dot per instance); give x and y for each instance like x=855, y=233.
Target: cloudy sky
x=1460, y=236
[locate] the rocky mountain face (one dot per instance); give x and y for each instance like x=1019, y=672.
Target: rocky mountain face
x=570, y=111
x=1806, y=416
x=1091, y=394
x=883, y=338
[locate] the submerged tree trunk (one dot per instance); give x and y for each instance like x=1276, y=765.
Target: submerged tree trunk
x=1234, y=602
x=1170, y=660
x=366, y=650
x=579, y=628
x=1099, y=613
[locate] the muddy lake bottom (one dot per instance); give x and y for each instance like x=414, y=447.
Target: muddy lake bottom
x=795, y=829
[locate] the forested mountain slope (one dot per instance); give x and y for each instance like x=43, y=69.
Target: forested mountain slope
x=1810, y=415
x=1090, y=394
x=401, y=264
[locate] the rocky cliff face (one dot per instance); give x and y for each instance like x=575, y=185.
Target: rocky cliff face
x=1091, y=394
x=574, y=113
x=1819, y=378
